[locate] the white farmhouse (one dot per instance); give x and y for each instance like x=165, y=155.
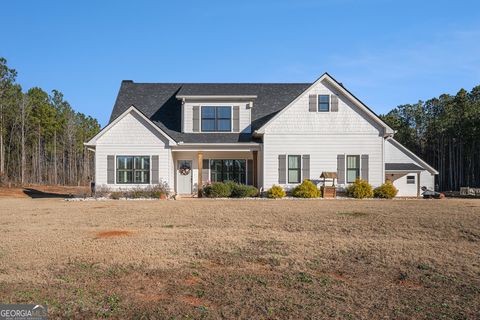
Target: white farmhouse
x=263, y=134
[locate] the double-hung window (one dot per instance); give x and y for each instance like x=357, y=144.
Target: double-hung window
x=353, y=168
x=133, y=169
x=410, y=179
x=323, y=103
x=294, y=169
x=216, y=119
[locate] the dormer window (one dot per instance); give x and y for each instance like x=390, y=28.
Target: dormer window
x=323, y=103
x=216, y=118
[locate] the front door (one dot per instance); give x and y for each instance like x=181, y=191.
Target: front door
x=184, y=177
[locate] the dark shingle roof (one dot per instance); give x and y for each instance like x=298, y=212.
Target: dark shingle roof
x=402, y=167
x=158, y=102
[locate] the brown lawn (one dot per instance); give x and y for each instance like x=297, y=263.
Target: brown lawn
x=340, y=259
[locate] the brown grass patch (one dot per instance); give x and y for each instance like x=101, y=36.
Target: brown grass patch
x=409, y=284
x=268, y=260
x=194, y=301
x=113, y=233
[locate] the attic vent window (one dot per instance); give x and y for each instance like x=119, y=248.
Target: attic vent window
x=323, y=103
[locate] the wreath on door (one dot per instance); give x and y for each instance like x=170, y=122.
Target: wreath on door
x=184, y=169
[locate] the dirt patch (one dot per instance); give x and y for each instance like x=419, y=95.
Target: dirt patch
x=194, y=301
x=40, y=191
x=191, y=281
x=113, y=233
x=150, y=297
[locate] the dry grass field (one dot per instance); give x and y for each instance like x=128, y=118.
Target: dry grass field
x=207, y=259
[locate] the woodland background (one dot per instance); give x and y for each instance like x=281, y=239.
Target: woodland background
x=42, y=136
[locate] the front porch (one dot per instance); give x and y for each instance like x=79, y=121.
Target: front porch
x=196, y=166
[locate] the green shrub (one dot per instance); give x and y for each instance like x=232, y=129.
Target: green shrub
x=306, y=190
x=229, y=189
x=360, y=189
x=385, y=191
x=276, y=192
x=243, y=191
x=217, y=190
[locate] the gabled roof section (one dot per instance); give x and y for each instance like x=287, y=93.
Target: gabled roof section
x=132, y=108
x=343, y=91
x=159, y=103
x=412, y=155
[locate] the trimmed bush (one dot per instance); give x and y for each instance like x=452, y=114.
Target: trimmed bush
x=148, y=192
x=306, y=190
x=229, y=189
x=116, y=195
x=360, y=189
x=243, y=191
x=385, y=191
x=276, y=192
x=217, y=190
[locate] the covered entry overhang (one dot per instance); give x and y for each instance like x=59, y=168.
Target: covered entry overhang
x=405, y=177
x=214, y=162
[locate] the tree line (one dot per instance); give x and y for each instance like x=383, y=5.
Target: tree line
x=445, y=132
x=42, y=136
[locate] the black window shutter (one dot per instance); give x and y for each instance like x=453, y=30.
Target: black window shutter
x=364, y=167
x=306, y=166
x=334, y=103
x=341, y=168
x=282, y=169
x=110, y=169
x=312, y=103
x=196, y=119
x=236, y=118
x=155, y=173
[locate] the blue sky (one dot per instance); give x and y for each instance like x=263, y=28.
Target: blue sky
x=386, y=52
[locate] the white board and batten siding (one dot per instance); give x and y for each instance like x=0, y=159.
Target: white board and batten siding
x=132, y=136
x=323, y=136
x=244, y=112
x=395, y=155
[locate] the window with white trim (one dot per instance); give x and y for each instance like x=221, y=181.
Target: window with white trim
x=353, y=168
x=410, y=179
x=216, y=119
x=323, y=103
x=133, y=169
x=294, y=168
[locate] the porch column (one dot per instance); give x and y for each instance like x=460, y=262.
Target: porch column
x=200, y=169
x=255, y=169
